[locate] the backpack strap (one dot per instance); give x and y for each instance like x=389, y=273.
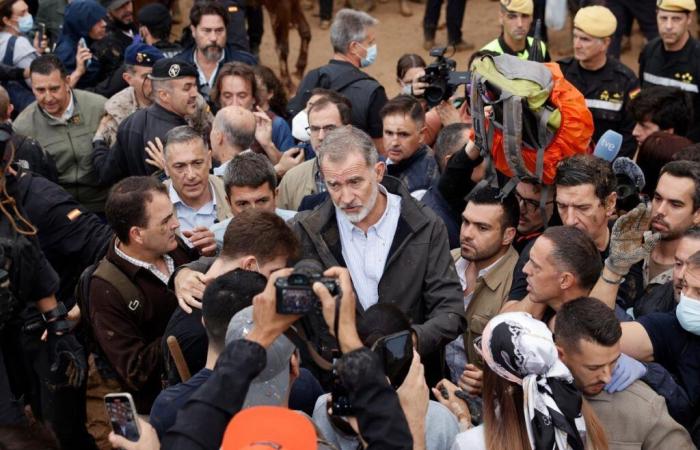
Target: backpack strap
x=129, y=292
x=344, y=81
x=10, y=51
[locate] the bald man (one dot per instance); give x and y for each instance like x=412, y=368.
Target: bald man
x=233, y=132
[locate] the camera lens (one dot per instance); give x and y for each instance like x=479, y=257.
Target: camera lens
x=434, y=94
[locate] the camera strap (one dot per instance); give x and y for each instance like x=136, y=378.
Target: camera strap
x=336, y=320
x=319, y=360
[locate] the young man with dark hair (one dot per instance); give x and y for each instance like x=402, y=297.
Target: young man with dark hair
x=223, y=298
x=484, y=263
x=409, y=159
x=675, y=207
x=127, y=331
x=255, y=240
x=250, y=182
x=208, y=23
x=661, y=108
x=588, y=341
x=63, y=120
x=673, y=59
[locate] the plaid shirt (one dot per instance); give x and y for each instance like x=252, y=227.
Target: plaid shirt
x=164, y=277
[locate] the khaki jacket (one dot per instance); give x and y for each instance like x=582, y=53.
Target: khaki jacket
x=490, y=293
x=296, y=184
x=223, y=210
x=70, y=145
x=637, y=418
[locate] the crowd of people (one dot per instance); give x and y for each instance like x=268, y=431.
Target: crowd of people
x=338, y=269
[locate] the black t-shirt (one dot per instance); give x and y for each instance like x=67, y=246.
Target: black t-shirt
x=675, y=349
x=191, y=336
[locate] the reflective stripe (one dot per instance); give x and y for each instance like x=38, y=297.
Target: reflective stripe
x=664, y=81
x=602, y=104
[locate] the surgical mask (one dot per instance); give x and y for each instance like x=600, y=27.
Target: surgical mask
x=407, y=89
x=688, y=314
x=26, y=23
x=371, y=56
x=300, y=123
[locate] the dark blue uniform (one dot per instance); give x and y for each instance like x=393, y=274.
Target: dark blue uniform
x=681, y=69
x=608, y=91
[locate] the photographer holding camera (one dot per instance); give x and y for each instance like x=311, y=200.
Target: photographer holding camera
x=203, y=419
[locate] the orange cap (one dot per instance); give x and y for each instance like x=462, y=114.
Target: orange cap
x=269, y=427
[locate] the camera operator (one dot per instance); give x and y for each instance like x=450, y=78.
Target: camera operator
x=203, y=419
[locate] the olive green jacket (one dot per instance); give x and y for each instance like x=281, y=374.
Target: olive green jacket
x=70, y=144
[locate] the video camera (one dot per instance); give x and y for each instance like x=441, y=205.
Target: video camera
x=295, y=294
x=442, y=78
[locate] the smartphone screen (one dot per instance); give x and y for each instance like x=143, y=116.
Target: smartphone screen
x=122, y=415
x=396, y=351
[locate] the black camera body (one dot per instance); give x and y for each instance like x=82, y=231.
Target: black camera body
x=295, y=294
x=442, y=78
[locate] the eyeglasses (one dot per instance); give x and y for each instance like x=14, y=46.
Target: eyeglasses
x=529, y=204
x=314, y=129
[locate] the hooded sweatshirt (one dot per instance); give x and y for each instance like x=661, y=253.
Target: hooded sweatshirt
x=80, y=16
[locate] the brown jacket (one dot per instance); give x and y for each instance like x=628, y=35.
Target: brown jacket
x=637, y=418
x=130, y=339
x=490, y=292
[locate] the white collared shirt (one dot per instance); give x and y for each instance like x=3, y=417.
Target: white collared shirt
x=455, y=354
x=366, y=254
x=189, y=217
x=164, y=277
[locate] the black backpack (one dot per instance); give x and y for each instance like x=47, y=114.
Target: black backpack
x=21, y=95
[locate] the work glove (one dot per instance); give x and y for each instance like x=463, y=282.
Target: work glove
x=67, y=362
x=630, y=240
x=627, y=371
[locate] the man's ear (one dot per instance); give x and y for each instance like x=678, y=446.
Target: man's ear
x=509, y=235
x=249, y=263
x=422, y=132
x=135, y=235
x=126, y=76
x=561, y=353
x=566, y=280
x=610, y=202
x=696, y=215
x=380, y=170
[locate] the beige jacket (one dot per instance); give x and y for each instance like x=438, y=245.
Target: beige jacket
x=637, y=418
x=296, y=184
x=490, y=292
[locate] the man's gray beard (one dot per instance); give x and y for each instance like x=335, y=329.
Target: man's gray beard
x=364, y=211
x=212, y=52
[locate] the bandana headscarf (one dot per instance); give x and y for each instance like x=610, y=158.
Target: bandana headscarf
x=520, y=349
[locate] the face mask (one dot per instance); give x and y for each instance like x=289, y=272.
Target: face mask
x=688, y=313
x=299, y=124
x=407, y=89
x=371, y=56
x=26, y=23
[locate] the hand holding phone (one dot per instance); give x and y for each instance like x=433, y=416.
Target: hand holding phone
x=122, y=415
